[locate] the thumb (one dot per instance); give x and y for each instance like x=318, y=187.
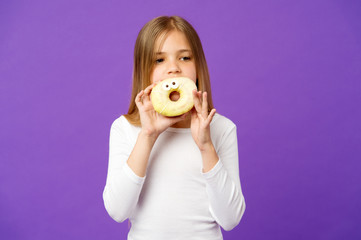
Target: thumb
x=179, y=118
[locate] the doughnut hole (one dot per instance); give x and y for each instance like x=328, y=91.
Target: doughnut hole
x=174, y=96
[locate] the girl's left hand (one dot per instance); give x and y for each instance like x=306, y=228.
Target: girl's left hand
x=200, y=121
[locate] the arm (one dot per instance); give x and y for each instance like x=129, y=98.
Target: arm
x=123, y=186
x=128, y=162
x=153, y=124
x=227, y=204
x=126, y=172
x=220, y=168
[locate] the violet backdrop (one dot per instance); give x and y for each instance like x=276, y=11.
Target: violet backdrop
x=286, y=72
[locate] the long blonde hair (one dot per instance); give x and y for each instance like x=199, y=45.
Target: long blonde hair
x=144, y=55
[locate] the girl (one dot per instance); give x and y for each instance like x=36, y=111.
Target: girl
x=173, y=177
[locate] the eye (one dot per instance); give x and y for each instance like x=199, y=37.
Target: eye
x=166, y=86
x=159, y=60
x=174, y=84
x=185, y=58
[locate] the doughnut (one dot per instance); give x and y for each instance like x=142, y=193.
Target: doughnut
x=160, y=96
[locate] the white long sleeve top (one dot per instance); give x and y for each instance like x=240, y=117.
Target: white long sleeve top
x=175, y=200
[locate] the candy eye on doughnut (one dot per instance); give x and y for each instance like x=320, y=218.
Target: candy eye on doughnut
x=174, y=84
x=166, y=86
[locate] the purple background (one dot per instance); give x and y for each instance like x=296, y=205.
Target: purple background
x=286, y=72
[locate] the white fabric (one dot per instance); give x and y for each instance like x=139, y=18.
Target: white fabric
x=175, y=200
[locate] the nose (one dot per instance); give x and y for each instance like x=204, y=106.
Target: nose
x=173, y=67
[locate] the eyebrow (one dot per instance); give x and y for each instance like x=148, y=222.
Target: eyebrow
x=179, y=51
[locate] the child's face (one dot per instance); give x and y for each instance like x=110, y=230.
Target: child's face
x=174, y=59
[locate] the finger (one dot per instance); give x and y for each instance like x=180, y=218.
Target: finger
x=210, y=116
x=147, y=91
x=197, y=103
x=149, y=88
x=194, y=117
x=205, y=105
x=193, y=113
x=200, y=96
x=138, y=98
x=178, y=119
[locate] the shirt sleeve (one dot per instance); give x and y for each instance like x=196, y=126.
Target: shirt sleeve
x=123, y=186
x=223, y=187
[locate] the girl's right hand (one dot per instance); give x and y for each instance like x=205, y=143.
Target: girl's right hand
x=153, y=123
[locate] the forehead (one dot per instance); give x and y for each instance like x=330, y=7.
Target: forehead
x=172, y=40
